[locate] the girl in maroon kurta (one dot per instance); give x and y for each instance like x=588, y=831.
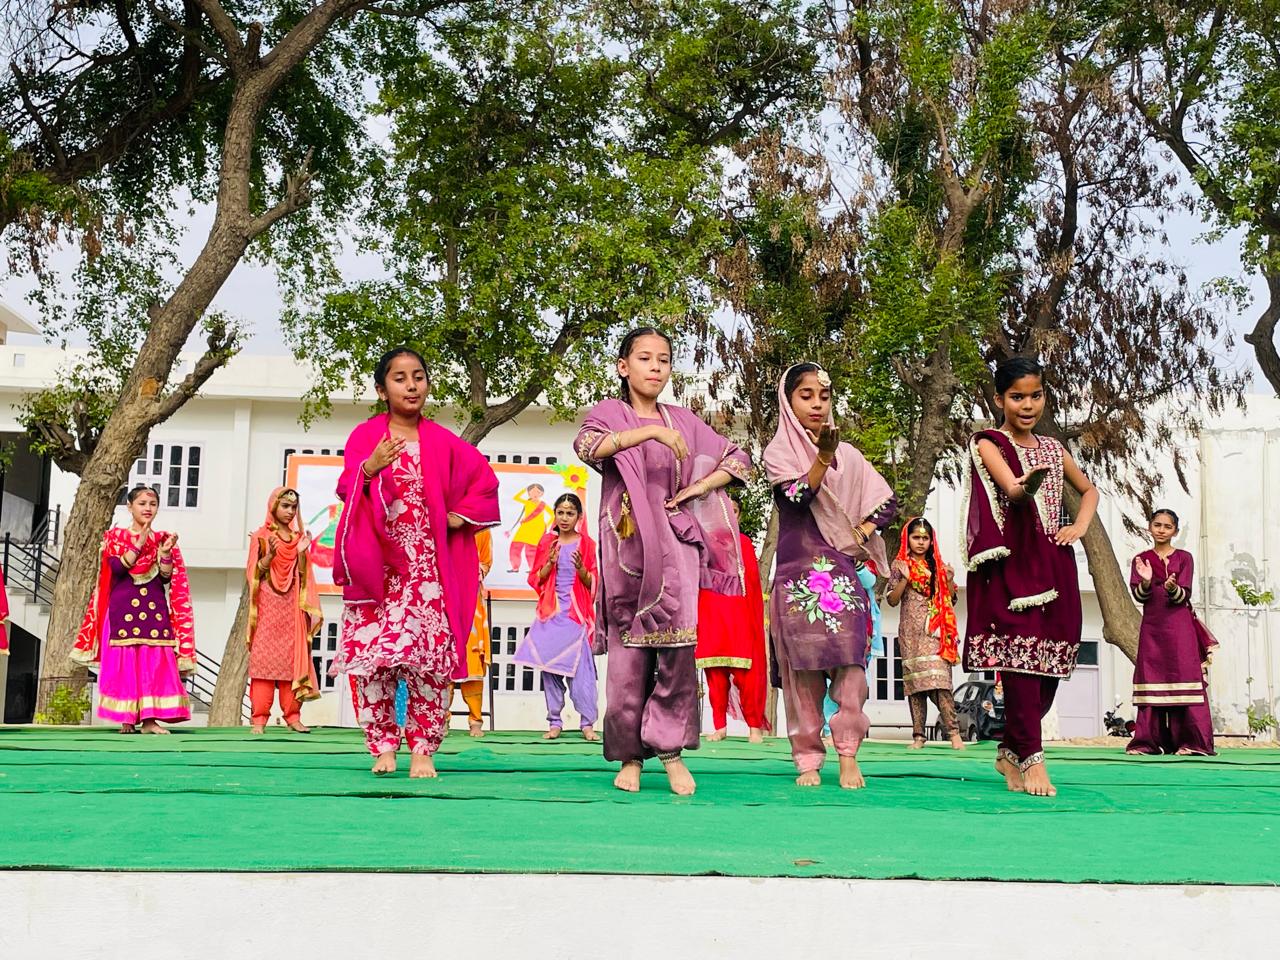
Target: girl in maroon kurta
x=1173, y=649
x=1023, y=592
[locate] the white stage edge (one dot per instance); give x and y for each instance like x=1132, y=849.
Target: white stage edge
x=352, y=916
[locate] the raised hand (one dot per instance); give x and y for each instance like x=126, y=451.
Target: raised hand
x=385, y=453
x=1143, y=568
x=900, y=568
x=1031, y=481
x=168, y=543
x=827, y=440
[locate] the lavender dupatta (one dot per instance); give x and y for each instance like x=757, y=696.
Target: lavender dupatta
x=633, y=601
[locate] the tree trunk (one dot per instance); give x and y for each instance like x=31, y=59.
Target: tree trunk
x=932, y=440
x=1120, y=618
x=228, y=693
x=1263, y=336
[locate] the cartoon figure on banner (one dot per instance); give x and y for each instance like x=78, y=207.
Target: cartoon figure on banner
x=529, y=527
x=315, y=477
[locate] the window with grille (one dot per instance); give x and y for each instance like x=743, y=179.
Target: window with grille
x=505, y=675
x=172, y=470
x=307, y=451
x=324, y=647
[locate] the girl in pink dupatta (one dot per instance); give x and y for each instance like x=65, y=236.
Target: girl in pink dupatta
x=666, y=529
x=137, y=632
x=1023, y=591
x=832, y=505
x=414, y=496
x=284, y=614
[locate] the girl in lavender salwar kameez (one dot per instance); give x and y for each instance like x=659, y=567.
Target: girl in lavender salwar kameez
x=1023, y=591
x=565, y=575
x=1174, y=648
x=832, y=505
x=666, y=529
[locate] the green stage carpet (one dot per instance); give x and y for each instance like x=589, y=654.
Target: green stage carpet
x=91, y=799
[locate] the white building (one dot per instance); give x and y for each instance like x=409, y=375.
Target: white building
x=217, y=460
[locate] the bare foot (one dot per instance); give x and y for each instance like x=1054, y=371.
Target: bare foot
x=679, y=777
x=717, y=734
x=422, y=767
x=128, y=728
x=475, y=728
x=851, y=777
x=1009, y=770
x=810, y=778
x=1035, y=781
x=1136, y=753
x=917, y=743
x=628, y=778
x=299, y=727
x=1184, y=752
x=258, y=729
x=386, y=763
x=552, y=734
x=957, y=742
x=755, y=735
x=150, y=726
x=589, y=733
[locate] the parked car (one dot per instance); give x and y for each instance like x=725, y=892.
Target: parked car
x=979, y=711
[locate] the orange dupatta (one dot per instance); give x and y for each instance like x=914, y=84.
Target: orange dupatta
x=290, y=564
x=115, y=543
x=942, y=613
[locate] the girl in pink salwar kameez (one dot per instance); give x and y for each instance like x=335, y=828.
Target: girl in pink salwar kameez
x=414, y=495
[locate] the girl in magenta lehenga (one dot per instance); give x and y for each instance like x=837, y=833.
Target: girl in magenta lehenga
x=666, y=529
x=832, y=505
x=414, y=496
x=1023, y=591
x=1174, y=649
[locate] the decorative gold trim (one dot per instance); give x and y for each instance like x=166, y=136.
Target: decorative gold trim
x=139, y=641
x=1189, y=685
x=662, y=638
x=1167, y=701
x=135, y=706
x=736, y=663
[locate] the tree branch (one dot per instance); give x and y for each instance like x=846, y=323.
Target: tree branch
x=222, y=346
x=297, y=194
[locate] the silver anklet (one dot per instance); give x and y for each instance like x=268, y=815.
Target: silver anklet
x=1004, y=753
x=1031, y=761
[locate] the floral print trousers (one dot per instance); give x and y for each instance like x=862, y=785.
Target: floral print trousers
x=426, y=717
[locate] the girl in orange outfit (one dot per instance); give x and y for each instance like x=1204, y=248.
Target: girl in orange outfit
x=284, y=614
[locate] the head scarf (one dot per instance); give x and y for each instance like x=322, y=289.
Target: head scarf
x=942, y=614
x=291, y=564
x=851, y=491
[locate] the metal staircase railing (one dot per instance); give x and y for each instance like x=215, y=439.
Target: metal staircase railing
x=201, y=684
x=30, y=569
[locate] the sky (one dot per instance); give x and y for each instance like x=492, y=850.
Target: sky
x=252, y=294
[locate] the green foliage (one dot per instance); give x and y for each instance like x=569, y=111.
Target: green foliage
x=1251, y=596
x=66, y=707
x=530, y=211
x=1261, y=719
x=755, y=501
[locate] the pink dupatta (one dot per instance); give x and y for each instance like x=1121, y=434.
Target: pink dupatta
x=456, y=479
x=851, y=491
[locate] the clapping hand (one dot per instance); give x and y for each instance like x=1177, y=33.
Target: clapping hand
x=167, y=544
x=1143, y=568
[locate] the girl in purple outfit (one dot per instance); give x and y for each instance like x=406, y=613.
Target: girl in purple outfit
x=1023, y=592
x=1174, y=648
x=666, y=530
x=559, y=642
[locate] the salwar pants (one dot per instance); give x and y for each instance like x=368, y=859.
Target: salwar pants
x=944, y=700
x=473, y=696
x=803, y=693
x=1170, y=729
x=751, y=692
x=1027, y=698
x=653, y=702
x=582, y=689
x=262, y=694
x=426, y=713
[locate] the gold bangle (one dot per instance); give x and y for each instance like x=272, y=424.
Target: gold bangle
x=825, y=463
